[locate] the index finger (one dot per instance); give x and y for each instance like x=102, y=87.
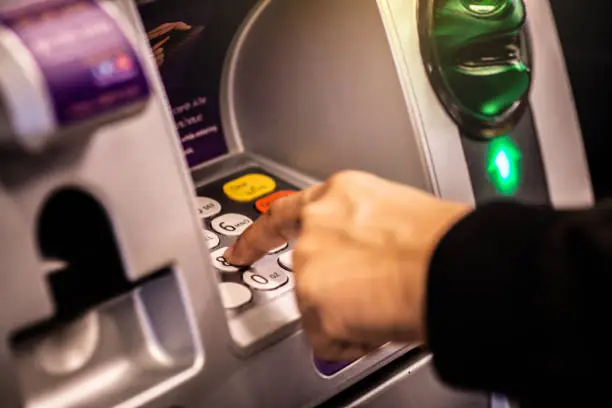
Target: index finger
x=161, y=43
x=280, y=224
x=160, y=30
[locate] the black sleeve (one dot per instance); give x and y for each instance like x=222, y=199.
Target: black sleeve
x=520, y=300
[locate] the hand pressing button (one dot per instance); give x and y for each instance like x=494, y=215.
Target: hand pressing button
x=219, y=261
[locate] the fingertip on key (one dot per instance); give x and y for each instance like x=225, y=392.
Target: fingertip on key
x=233, y=259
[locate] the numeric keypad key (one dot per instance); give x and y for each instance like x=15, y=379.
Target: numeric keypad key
x=265, y=279
x=207, y=207
x=219, y=261
x=231, y=224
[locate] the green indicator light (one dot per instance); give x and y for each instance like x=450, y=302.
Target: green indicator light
x=504, y=165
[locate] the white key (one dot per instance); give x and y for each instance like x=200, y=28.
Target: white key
x=212, y=239
x=265, y=280
x=278, y=249
x=286, y=260
x=234, y=295
x=207, y=207
x=231, y=224
x=220, y=262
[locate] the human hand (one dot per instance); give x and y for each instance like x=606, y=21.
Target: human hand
x=361, y=257
x=164, y=31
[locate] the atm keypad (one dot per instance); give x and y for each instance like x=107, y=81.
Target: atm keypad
x=241, y=199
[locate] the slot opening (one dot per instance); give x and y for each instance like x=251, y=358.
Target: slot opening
x=109, y=339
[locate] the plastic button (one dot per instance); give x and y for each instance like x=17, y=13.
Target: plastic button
x=286, y=260
x=207, y=207
x=212, y=239
x=219, y=261
x=249, y=187
x=264, y=204
x=231, y=224
x=265, y=280
x=234, y=295
x=278, y=249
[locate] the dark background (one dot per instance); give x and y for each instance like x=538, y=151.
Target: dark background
x=585, y=29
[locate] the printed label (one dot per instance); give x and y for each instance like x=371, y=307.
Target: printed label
x=190, y=41
x=89, y=66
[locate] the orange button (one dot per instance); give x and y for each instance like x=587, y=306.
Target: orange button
x=263, y=204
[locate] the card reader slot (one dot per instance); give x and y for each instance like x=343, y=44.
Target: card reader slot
x=110, y=339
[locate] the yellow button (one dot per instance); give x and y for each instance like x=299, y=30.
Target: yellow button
x=249, y=187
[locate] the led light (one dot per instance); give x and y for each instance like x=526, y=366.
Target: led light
x=504, y=165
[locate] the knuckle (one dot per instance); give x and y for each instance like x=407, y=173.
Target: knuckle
x=344, y=177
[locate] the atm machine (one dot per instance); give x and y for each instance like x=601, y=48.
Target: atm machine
x=114, y=291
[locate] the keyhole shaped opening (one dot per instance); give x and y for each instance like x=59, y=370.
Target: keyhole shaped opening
x=74, y=229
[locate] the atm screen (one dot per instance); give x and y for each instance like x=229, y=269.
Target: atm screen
x=190, y=39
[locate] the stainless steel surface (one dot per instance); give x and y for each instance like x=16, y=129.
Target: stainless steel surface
x=127, y=347
x=435, y=129
x=313, y=85
x=418, y=387
x=556, y=119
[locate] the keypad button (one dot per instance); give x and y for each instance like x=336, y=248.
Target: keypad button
x=231, y=224
x=234, y=295
x=207, y=207
x=278, y=249
x=265, y=280
x=286, y=260
x=219, y=261
x=264, y=204
x=212, y=239
x=249, y=187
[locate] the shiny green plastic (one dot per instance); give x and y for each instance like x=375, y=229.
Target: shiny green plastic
x=479, y=56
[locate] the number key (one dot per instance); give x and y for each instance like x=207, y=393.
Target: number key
x=260, y=279
x=219, y=261
x=207, y=207
x=231, y=224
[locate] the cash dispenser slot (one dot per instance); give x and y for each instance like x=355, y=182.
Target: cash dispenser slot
x=110, y=339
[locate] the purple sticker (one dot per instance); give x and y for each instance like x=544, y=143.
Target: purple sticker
x=329, y=368
x=89, y=66
x=190, y=41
